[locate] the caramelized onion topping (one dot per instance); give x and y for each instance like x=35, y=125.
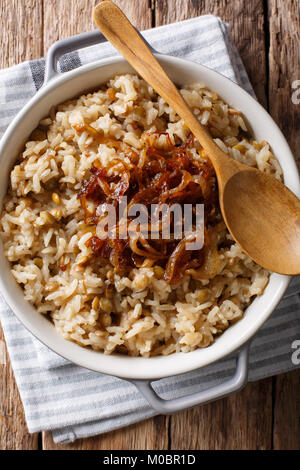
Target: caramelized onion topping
x=158, y=176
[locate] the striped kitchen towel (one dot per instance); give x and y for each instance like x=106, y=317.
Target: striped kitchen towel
x=74, y=402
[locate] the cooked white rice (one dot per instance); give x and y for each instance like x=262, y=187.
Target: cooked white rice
x=140, y=314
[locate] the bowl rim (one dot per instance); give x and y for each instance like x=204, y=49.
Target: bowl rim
x=161, y=366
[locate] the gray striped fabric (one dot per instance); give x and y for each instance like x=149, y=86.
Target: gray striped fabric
x=75, y=402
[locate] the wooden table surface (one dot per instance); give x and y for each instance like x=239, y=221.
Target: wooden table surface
x=266, y=414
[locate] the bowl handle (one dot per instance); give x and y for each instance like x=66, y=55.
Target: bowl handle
x=59, y=48
x=234, y=384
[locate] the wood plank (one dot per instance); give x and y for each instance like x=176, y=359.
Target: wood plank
x=284, y=54
x=20, y=27
x=20, y=33
x=59, y=25
x=242, y=421
x=210, y=426
x=13, y=430
x=152, y=434
x=79, y=18
x=286, y=434
x=246, y=21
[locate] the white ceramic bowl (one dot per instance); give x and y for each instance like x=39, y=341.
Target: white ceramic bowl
x=74, y=83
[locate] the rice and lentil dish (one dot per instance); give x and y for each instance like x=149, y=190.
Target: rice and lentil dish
x=134, y=297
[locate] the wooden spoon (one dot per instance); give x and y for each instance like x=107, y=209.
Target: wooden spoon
x=262, y=215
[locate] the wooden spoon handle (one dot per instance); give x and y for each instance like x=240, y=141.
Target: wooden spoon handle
x=119, y=31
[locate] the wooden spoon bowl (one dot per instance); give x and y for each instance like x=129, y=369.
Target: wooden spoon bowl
x=262, y=215
x=268, y=230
